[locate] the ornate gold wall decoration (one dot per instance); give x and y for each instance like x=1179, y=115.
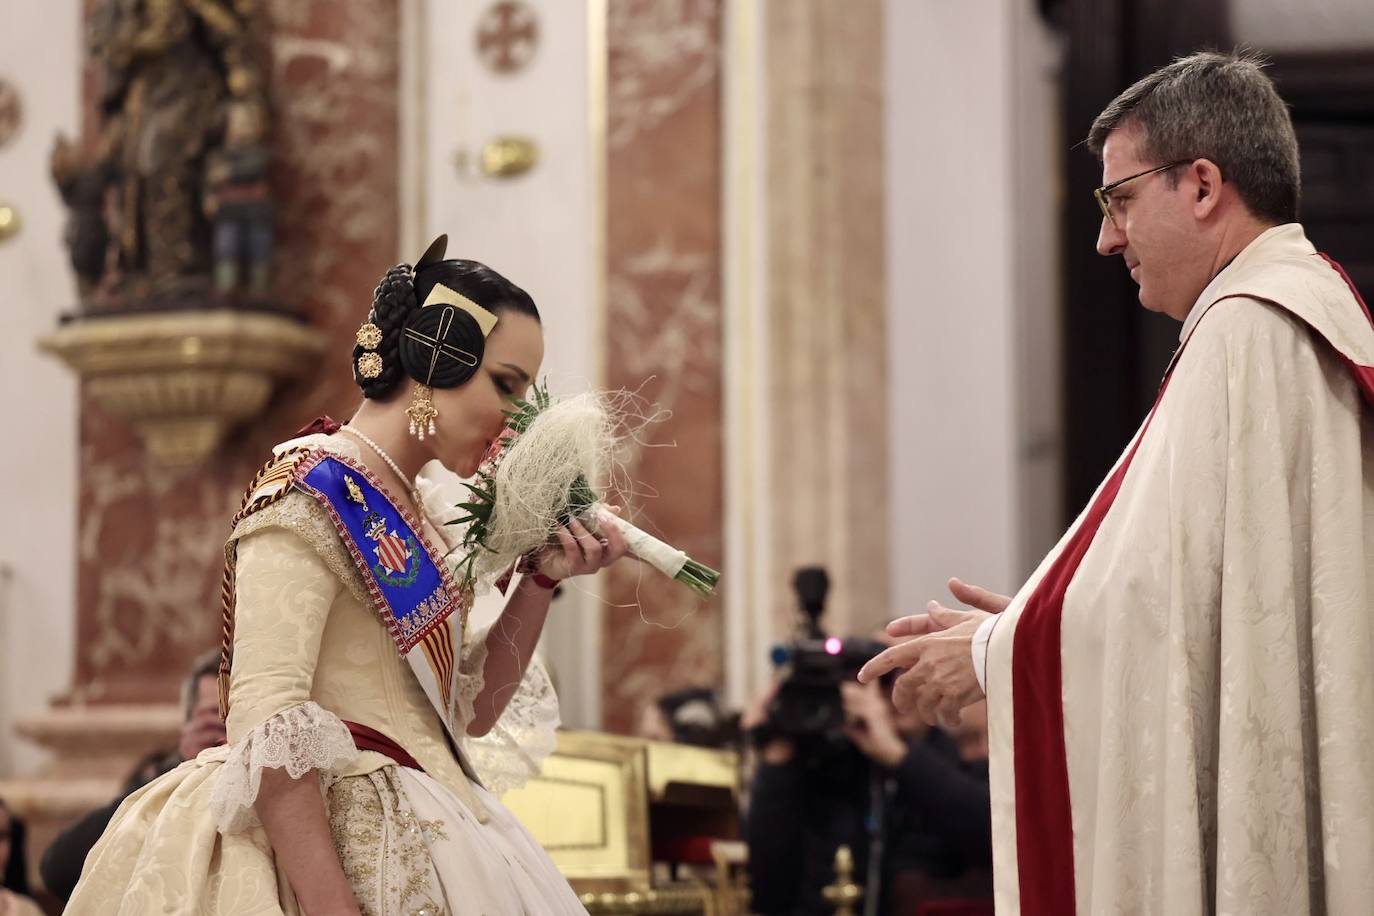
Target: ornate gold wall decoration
x=184, y=378
x=9, y=222
x=507, y=157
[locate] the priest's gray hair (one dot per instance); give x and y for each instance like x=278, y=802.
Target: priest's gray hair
x=1221, y=107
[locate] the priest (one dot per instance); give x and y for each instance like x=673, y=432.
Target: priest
x=1181, y=698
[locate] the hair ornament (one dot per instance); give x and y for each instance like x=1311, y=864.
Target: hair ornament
x=441, y=294
x=369, y=336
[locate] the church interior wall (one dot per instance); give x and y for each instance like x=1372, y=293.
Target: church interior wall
x=40, y=50
x=541, y=227
x=972, y=294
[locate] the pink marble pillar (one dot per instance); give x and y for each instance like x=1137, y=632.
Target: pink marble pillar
x=150, y=541
x=664, y=124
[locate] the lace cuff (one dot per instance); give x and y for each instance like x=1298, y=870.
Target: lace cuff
x=523, y=737
x=298, y=739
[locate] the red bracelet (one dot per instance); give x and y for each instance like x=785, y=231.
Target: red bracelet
x=543, y=581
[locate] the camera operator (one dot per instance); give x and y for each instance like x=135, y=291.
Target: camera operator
x=914, y=796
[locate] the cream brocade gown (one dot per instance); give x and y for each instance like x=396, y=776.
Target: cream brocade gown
x=310, y=653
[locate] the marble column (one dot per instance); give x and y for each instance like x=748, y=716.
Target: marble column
x=150, y=540
x=825, y=315
x=663, y=335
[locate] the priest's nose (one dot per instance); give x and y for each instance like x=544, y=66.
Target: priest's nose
x=1110, y=240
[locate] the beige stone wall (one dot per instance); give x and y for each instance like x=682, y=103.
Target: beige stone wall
x=40, y=47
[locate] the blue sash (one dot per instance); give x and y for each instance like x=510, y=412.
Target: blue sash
x=410, y=589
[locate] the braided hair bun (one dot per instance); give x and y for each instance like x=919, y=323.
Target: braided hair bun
x=463, y=345
x=393, y=301
x=405, y=334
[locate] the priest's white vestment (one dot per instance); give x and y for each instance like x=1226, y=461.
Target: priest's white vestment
x=1181, y=699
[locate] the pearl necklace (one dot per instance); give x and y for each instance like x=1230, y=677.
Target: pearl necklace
x=381, y=453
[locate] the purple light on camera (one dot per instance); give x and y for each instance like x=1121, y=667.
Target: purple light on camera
x=833, y=645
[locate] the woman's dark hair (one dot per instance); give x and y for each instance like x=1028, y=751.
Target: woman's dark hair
x=16, y=876
x=397, y=297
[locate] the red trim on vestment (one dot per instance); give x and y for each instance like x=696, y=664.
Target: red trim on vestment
x=1044, y=824
x=1364, y=375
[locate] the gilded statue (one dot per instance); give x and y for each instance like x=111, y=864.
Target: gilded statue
x=179, y=157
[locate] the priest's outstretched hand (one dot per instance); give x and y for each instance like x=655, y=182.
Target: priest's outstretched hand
x=939, y=680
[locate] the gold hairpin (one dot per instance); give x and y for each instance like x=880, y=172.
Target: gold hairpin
x=452, y=352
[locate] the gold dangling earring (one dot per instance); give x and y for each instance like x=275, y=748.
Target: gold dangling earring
x=422, y=412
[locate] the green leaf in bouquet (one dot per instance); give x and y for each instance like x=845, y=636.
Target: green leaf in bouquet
x=484, y=495
x=581, y=497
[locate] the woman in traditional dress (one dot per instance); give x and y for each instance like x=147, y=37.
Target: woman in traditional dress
x=355, y=694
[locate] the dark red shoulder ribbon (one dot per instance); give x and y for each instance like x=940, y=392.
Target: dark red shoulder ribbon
x=322, y=424
x=369, y=739
x=1364, y=375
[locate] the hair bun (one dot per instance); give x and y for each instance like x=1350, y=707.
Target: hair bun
x=460, y=337
x=393, y=301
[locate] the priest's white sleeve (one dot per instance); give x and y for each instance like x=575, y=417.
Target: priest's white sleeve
x=980, y=650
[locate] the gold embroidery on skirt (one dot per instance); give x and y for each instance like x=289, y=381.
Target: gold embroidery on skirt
x=383, y=846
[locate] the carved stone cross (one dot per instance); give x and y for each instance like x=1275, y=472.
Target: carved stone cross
x=507, y=35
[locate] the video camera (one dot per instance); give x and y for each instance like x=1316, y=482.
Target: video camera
x=807, y=706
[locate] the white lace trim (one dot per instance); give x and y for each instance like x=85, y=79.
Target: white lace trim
x=471, y=679
x=298, y=739
x=515, y=749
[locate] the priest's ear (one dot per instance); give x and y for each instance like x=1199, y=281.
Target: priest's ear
x=1207, y=187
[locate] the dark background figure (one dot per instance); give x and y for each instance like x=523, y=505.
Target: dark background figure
x=693, y=716
x=202, y=728
x=838, y=765
x=916, y=796
x=14, y=899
